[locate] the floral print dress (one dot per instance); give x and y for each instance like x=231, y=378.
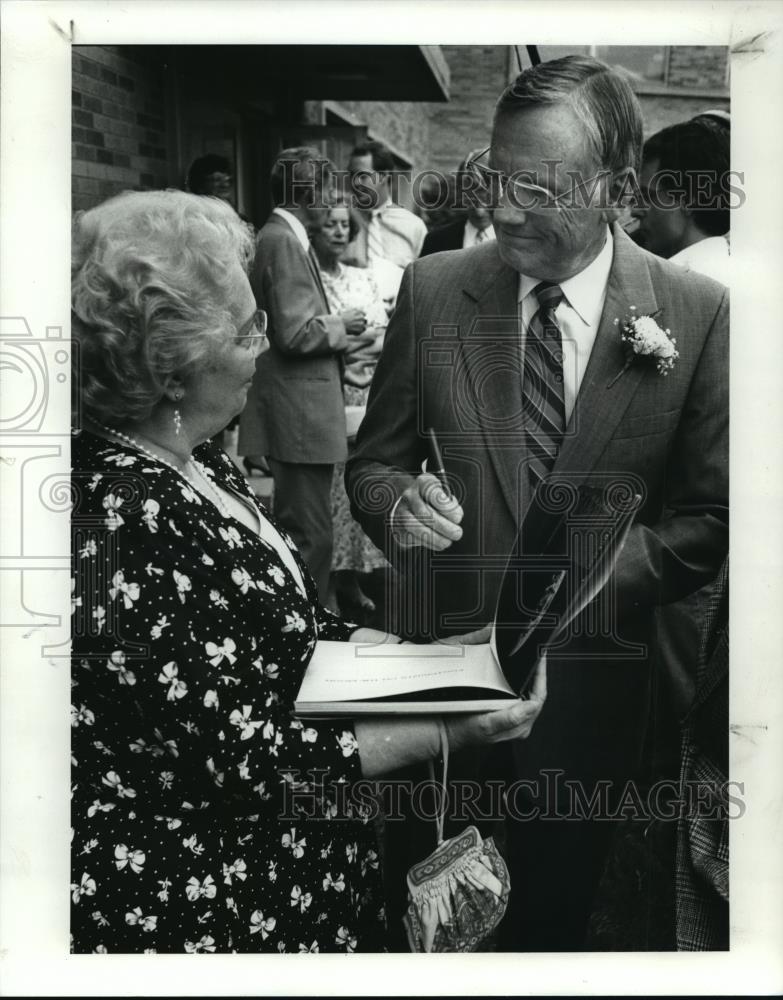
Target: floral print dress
x=353, y=288
x=206, y=817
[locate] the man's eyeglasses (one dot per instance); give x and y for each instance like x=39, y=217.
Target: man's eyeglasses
x=492, y=186
x=253, y=336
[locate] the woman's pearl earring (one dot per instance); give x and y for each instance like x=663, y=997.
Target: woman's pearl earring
x=177, y=416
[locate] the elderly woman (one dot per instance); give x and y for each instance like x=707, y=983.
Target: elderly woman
x=194, y=620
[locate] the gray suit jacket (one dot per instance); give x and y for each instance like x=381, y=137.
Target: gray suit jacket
x=452, y=361
x=294, y=410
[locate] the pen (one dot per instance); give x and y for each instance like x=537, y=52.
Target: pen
x=437, y=461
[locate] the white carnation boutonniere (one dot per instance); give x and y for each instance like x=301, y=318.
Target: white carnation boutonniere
x=644, y=338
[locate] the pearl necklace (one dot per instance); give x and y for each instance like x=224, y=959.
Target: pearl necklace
x=216, y=497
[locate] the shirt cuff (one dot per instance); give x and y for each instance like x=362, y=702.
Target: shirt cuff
x=393, y=511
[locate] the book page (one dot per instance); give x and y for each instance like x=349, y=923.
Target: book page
x=343, y=671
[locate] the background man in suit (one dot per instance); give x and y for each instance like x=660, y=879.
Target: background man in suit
x=475, y=226
x=388, y=231
x=510, y=351
x=294, y=415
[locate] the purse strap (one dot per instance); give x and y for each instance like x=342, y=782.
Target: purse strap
x=444, y=753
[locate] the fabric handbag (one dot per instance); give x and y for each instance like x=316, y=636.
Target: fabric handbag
x=458, y=895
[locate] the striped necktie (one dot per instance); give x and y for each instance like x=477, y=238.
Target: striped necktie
x=481, y=235
x=375, y=238
x=543, y=399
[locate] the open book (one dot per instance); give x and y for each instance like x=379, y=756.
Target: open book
x=547, y=582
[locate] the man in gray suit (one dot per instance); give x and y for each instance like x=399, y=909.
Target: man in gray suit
x=294, y=416
x=512, y=352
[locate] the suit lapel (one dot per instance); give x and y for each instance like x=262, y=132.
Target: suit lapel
x=490, y=323
x=603, y=399
x=277, y=221
x=315, y=270
x=492, y=356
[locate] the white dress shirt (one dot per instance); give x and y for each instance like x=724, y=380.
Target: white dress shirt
x=394, y=233
x=299, y=230
x=388, y=277
x=709, y=256
x=470, y=239
x=578, y=316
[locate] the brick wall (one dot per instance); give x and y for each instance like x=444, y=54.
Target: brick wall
x=403, y=125
x=698, y=66
x=660, y=110
x=479, y=74
x=119, y=139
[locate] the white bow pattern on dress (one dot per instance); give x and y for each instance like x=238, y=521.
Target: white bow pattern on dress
x=300, y=899
x=246, y=725
x=297, y=846
x=135, y=916
x=116, y=663
x=151, y=510
x=241, y=578
x=195, y=889
x=169, y=675
x=183, y=584
x=218, y=652
x=130, y=591
x=112, y=780
x=239, y=868
x=347, y=938
x=258, y=923
x=111, y=504
x=338, y=884
x=125, y=856
x=86, y=887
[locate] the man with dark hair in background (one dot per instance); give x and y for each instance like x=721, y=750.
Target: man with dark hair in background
x=389, y=231
x=294, y=416
x=474, y=224
x=212, y=175
x=684, y=181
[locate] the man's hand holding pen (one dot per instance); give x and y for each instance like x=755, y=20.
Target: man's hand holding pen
x=427, y=513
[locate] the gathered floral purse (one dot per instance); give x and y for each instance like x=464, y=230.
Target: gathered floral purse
x=458, y=895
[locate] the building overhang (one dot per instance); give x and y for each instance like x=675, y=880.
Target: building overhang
x=320, y=72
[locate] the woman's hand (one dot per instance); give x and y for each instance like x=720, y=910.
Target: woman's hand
x=363, y=345
x=374, y=635
x=355, y=321
x=513, y=723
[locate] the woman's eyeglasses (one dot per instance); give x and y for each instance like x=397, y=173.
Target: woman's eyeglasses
x=254, y=336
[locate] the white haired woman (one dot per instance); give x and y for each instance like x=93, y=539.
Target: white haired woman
x=194, y=620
